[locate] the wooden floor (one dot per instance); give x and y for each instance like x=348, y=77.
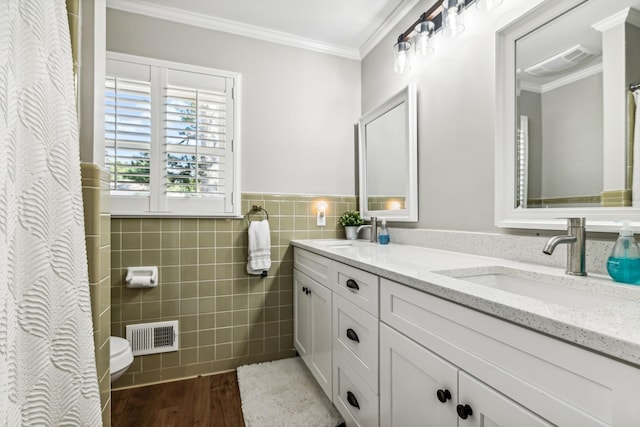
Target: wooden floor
x=205, y=401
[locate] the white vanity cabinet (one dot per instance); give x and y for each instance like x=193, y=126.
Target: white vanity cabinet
x=312, y=316
x=508, y=375
x=419, y=388
x=388, y=354
x=416, y=386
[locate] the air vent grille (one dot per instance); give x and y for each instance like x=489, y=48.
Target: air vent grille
x=150, y=338
x=560, y=62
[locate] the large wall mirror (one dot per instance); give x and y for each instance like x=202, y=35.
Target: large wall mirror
x=388, y=159
x=566, y=115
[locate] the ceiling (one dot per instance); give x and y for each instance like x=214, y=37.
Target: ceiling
x=349, y=28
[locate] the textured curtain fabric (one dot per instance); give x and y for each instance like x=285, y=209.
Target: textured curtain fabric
x=47, y=364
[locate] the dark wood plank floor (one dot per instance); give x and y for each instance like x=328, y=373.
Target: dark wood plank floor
x=204, y=401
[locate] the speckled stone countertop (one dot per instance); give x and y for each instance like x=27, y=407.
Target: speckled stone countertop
x=605, y=316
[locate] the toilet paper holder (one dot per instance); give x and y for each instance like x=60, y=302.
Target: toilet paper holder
x=142, y=277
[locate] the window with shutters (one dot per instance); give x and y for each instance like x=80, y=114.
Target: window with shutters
x=171, y=138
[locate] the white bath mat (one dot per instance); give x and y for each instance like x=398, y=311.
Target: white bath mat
x=284, y=393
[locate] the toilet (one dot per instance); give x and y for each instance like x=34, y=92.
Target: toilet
x=121, y=357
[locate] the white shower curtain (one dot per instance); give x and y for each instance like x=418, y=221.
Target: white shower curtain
x=47, y=364
x=635, y=192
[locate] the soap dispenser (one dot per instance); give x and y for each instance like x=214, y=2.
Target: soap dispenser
x=624, y=263
x=383, y=235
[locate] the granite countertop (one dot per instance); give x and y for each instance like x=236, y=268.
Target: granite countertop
x=608, y=323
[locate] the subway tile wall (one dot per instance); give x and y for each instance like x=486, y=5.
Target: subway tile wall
x=227, y=318
x=97, y=224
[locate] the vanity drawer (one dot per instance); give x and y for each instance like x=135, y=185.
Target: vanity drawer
x=356, y=286
x=357, y=403
x=315, y=266
x=355, y=335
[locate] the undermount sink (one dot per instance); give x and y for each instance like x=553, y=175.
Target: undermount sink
x=556, y=290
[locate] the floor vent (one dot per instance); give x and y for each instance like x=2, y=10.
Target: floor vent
x=150, y=338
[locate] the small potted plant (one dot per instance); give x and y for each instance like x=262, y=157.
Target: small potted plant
x=351, y=220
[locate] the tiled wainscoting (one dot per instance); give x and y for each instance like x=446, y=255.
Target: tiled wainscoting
x=226, y=317
x=97, y=224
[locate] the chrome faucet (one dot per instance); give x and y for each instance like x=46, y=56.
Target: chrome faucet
x=374, y=229
x=576, y=239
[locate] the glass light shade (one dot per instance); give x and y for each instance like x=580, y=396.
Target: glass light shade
x=452, y=19
x=487, y=5
x=402, y=54
x=423, y=38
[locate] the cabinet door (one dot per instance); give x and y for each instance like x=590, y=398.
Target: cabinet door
x=412, y=382
x=301, y=315
x=320, y=316
x=491, y=409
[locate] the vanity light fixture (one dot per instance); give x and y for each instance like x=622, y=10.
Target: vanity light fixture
x=423, y=38
x=445, y=15
x=403, y=54
x=452, y=19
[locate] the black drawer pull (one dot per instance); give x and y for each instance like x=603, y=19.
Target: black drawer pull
x=351, y=398
x=352, y=284
x=304, y=289
x=464, y=411
x=351, y=334
x=443, y=395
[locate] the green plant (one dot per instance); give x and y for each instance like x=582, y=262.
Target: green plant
x=350, y=218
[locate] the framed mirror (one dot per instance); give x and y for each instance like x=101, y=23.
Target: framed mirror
x=388, y=159
x=565, y=115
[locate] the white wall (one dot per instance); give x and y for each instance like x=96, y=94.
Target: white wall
x=298, y=108
x=91, y=80
x=572, y=135
x=456, y=112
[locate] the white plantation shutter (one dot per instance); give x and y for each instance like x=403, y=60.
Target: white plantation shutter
x=128, y=134
x=169, y=139
x=198, y=130
x=195, y=127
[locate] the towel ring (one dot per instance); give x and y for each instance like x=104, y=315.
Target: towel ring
x=256, y=209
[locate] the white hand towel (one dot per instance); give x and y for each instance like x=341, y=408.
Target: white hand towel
x=259, y=259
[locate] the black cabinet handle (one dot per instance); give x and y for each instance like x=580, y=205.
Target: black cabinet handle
x=352, y=284
x=464, y=411
x=304, y=289
x=351, y=334
x=443, y=395
x=351, y=398
x=308, y=291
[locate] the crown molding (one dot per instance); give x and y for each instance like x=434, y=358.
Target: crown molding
x=627, y=15
x=212, y=23
x=394, y=19
x=572, y=78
